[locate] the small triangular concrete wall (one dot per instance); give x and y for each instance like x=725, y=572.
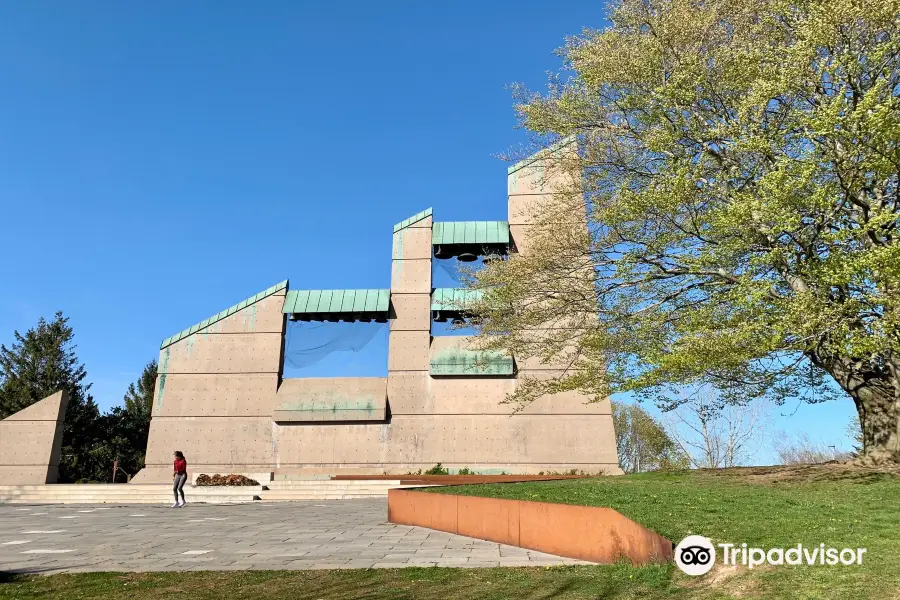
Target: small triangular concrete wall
x=31, y=442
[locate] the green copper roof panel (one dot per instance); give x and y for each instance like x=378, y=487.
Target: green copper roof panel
x=359, y=300
x=413, y=219
x=452, y=298
x=336, y=301
x=455, y=361
x=312, y=304
x=225, y=313
x=325, y=301
x=470, y=232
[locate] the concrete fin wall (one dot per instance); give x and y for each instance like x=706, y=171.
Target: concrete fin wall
x=540, y=190
x=31, y=442
x=215, y=393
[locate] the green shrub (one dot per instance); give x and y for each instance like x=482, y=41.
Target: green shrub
x=437, y=470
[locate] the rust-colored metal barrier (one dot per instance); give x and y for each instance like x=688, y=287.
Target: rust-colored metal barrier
x=595, y=534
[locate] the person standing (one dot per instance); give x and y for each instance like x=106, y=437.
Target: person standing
x=180, y=477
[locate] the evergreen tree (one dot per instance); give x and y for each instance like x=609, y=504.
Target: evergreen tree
x=40, y=363
x=139, y=399
x=129, y=428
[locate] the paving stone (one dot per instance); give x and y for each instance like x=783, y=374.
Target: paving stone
x=297, y=535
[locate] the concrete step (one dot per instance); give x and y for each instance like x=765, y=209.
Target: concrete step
x=131, y=500
x=278, y=491
x=278, y=497
x=122, y=494
x=108, y=499
x=121, y=487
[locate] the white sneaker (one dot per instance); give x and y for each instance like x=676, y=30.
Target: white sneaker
x=182, y=505
x=176, y=505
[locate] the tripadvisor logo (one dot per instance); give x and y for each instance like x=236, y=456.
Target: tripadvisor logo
x=696, y=555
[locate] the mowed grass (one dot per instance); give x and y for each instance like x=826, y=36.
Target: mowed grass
x=763, y=507
x=841, y=507
x=411, y=583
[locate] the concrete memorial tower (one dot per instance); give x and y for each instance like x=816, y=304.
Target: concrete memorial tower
x=222, y=399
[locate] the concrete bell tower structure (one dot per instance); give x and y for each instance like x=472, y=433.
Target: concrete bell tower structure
x=222, y=399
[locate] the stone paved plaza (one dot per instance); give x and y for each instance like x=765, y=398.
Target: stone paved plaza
x=335, y=534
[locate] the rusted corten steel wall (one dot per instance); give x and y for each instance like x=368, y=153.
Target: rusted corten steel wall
x=31, y=442
x=591, y=533
x=221, y=400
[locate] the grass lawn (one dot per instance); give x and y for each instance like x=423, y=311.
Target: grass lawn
x=776, y=507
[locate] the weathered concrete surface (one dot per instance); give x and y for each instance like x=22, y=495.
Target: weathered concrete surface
x=412, y=243
x=318, y=534
x=31, y=442
x=263, y=316
x=412, y=312
x=411, y=276
x=408, y=351
x=331, y=399
x=564, y=210
x=218, y=397
x=203, y=353
x=215, y=393
x=483, y=441
x=489, y=443
x=418, y=393
x=539, y=189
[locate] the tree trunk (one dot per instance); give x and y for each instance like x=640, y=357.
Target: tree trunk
x=876, y=392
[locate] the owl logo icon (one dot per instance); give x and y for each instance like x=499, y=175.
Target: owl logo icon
x=695, y=555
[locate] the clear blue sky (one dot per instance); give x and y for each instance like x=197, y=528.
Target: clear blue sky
x=162, y=161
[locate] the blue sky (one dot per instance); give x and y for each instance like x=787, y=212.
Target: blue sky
x=162, y=161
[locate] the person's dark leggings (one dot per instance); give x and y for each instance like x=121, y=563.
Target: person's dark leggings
x=180, y=478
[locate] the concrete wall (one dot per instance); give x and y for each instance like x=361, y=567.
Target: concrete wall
x=31, y=442
x=216, y=392
x=330, y=399
x=220, y=398
x=540, y=191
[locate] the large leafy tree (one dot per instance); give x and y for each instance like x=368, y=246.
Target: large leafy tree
x=40, y=363
x=740, y=159
x=642, y=442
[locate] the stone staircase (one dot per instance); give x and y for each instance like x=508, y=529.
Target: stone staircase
x=284, y=488
x=122, y=493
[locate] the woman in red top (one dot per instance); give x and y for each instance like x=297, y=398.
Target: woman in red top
x=180, y=476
